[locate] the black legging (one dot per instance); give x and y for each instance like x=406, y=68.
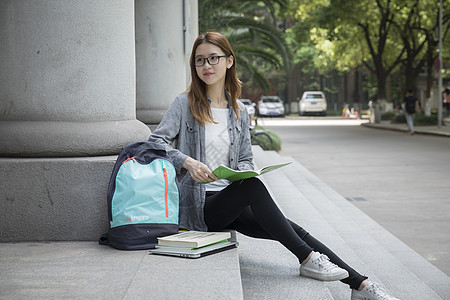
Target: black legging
x=247, y=207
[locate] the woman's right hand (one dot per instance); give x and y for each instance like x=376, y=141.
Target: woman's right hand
x=198, y=170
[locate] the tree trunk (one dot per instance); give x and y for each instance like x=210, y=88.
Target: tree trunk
x=292, y=87
x=381, y=83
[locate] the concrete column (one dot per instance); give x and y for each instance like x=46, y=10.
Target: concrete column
x=67, y=101
x=67, y=78
x=165, y=31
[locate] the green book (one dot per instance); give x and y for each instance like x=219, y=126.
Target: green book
x=223, y=172
x=193, y=239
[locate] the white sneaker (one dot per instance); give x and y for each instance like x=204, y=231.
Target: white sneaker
x=320, y=267
x=372, y=291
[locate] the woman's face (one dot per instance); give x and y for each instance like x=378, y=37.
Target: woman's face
x=212, y=74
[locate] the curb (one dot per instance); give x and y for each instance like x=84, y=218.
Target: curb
x=416, y=131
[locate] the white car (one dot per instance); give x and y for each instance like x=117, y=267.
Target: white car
x=270, y=106
x=249, y=105
x=312, y=102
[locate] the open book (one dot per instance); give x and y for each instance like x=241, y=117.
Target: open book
x=223, y=172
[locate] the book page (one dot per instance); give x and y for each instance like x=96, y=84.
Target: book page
x=224, y=172
x=272, y=167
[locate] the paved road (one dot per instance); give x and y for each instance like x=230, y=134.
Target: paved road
x=401, y=181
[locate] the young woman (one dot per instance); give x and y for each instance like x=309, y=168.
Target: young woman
x=205, y=127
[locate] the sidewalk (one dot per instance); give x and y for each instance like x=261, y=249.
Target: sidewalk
x=443, y=130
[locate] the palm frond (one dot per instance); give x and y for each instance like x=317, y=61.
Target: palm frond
x=247, y=51
x=255, y=75
x=272, y=35
x=250, y=26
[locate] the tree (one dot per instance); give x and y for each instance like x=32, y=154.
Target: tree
x=324, y=49
x=375, y=20
x=251, y=28
x=417, y=27
x=317, y=42
x=382, y=35
x=432, y=42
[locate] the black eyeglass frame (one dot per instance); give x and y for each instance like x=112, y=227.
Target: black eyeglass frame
x=204, y=59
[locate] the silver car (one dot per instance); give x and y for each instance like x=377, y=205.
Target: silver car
x=270, y=106
x=249, y=105
x=312, y=102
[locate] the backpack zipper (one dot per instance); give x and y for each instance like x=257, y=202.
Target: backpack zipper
x=131, y=158
x=166, y=191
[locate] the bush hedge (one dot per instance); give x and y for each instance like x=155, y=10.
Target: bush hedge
x=265, y=143
x=419, y=119
x=389, y=115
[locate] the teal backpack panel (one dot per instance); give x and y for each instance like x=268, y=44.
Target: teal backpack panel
x=145, y=193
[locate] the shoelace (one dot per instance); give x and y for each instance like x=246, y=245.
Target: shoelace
x=378, y=291
x=324, y=262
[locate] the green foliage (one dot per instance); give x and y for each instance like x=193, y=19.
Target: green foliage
x=324, y=39
x=274, y=143
x=400, y=118
x=389, y=115
x=422, y=120
x=380, y=35
x=251, y=29
x=334, y=113
x=419, y=119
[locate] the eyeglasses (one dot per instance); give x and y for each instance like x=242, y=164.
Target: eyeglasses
x=212, y=60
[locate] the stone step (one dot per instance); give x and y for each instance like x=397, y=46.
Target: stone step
x=322, y=218
x=268, y=270
x=438, y=281
x=271, y=261
x=87, y=270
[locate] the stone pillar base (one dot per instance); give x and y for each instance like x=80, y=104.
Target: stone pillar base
x=54, y=199
x=56, y=139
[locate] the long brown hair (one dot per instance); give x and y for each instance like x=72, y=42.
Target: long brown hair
x=198, y=102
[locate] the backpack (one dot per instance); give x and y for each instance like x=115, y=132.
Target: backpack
x=143, y=198
x=410, y=104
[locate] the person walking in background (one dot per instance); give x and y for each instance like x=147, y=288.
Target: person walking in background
x=446, y=102
x=411, y=106
x=206, y=126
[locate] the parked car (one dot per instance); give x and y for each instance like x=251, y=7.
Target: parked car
x=270, y=106
x=312, y=102
x=249, y=105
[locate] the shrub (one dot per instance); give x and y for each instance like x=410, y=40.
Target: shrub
x=389, y=115
x=274, y=143
x=423, y=120
x=419, y=119
x=334, y=113
x=400, y=118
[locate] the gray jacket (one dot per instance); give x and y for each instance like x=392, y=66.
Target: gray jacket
x=184, y=136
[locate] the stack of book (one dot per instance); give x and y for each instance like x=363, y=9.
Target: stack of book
x=194, y=244
x=193, y=239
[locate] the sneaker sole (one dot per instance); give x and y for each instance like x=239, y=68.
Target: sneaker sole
x=314, y=275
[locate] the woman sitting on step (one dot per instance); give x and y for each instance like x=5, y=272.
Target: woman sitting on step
x=205, y=127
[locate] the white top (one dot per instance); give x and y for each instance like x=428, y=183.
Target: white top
x=217, y=141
